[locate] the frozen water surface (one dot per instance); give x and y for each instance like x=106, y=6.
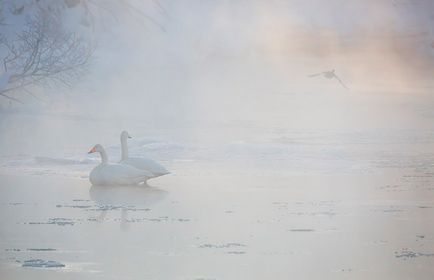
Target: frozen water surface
x=255, y=209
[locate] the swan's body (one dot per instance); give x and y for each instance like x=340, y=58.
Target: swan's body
x=115, y=174
x=146, y=164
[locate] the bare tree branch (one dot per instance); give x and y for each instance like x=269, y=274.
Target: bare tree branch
x=44, y=53
x=11, y=98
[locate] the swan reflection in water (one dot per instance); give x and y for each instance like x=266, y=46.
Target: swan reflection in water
x=126, y=198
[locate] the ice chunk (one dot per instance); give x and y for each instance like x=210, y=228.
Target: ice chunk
x=42, y=263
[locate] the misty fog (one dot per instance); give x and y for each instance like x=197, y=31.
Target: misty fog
x=233, y=97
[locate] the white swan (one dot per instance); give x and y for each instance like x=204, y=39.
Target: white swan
x=140, y=163
x=115, y=174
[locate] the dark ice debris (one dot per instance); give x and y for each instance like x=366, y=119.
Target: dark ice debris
x=41, y=249
x=42, y=263
x=227, y=245
x=407, y=254
x=115, y=207
x=74, y=206
x=55, y=221
x=60, y=221
x=236, y=252
x=302, y=230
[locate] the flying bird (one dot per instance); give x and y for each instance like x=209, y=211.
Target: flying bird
x=329, y=75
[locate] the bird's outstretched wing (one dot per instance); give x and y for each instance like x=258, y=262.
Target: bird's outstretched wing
x=315, y=75
x=340, y=81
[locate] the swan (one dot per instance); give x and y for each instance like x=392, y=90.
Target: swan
x=330, y=75
x=114, y=173
x=140, y=163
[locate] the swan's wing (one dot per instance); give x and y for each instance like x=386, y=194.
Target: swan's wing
x=146, y=164
x=121, y=174
x=340, y=81
x=315, y=75
x=132, y=172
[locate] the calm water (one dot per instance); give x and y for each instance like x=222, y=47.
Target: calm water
x=242, y=202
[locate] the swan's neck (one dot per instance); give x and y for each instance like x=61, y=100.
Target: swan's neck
x=124, y=148
x=104, y=157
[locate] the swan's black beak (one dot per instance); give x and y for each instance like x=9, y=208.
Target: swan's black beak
x=129, y=137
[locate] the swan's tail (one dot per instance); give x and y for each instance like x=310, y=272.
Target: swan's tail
x=161, y=173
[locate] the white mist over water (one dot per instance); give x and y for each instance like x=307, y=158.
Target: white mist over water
x=269, y=166
x=234, y=75
x=249, y=61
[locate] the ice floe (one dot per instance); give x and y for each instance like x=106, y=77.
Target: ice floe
x=42, y=263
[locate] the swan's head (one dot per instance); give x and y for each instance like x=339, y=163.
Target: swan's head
x=96, y=149
x=125, y=135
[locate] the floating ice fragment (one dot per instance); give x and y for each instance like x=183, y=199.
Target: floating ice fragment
x=60, y=221
x=41, y=249
x=42, y=263
x=302, y=230
x=406, y=254
x=236, y=252
x=227, y=245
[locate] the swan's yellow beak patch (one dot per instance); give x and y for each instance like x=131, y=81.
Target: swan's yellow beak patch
x=93, y=150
